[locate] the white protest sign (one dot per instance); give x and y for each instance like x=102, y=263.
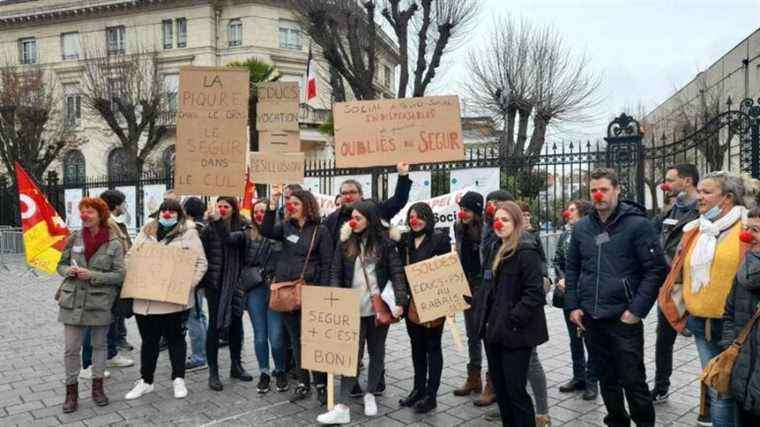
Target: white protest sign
x=484, y=180
x=421, y=184
x=444, y=207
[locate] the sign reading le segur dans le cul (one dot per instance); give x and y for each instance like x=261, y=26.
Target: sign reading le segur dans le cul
x=212, y=135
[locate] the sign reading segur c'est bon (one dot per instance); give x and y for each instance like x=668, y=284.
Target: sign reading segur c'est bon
x=386, y=132
x=212, y=135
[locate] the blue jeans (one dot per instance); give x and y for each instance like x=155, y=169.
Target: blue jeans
x=196, y=327
x=113, y=342
x=267, y=328
x=722, y=407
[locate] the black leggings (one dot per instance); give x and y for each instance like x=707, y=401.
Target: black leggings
x=172, y=327
x=427, y=357
x=213, y=334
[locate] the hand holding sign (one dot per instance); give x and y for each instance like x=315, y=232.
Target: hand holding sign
x=438, y=286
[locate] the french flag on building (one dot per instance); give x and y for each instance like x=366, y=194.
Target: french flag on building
x=311, y=77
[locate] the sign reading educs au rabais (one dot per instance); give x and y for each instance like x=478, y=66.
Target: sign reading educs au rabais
x=385, y=132
x=212, y=137
x=159, y=272
x=438, y=286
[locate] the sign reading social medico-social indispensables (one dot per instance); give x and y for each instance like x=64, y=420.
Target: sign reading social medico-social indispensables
x=330, y=330
x=385, y=132
x=212, y=135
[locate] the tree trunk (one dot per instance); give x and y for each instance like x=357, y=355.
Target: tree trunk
x=522, y=130
x=538, y=138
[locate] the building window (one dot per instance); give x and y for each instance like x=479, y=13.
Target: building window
x=72, y=108
x=74, y=167
x=116, y=40
x=181, y=32
x=121, y=165
x=168, y=161
x=290, y=36
x=387, y=76
x=28, y=50
x=168, y=35
x=171, y=86
x=235, y=33
x=70, y=46
x=116, y=93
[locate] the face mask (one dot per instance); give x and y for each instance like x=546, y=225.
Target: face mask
x=167, y=222
x=712, y=213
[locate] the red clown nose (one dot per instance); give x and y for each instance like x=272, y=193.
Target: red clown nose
x=567, y=214
x=498, y=225
x=463, y=215
x=490, y=210
x=223, y=210
x=414, y=222
x=665, y=186
x=746, y=237
x=598, y=197
x=84, y=217
x=353, y=224
x=289, y=207
x=259, y=218
x=167, y=215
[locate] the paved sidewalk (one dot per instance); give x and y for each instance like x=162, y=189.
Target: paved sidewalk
x=32, y=390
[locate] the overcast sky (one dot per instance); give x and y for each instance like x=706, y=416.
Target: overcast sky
x=644, y=49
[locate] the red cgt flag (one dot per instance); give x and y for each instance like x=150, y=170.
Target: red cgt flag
x=246, y=207
x=45, y=232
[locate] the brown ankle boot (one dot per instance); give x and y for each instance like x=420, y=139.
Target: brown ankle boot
x=473, y=384
x=98, y=394
x=488, y=397
x=71, y=403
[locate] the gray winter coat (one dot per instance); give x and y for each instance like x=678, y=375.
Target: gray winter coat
x=89, y=302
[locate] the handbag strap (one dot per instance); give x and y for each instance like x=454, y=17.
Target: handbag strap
x=364, y=269
x=308, y=254
x=747, y=329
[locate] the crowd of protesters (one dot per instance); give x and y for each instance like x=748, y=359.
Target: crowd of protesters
x=699, y=261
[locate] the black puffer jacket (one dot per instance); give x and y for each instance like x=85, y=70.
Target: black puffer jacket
x=670, y=227
x=741, y=305
x=295, y=246
x=512, y=310
x=434, y=244
x=260, y=259
x=469, y=254
x=614, y=266
x=388, y=267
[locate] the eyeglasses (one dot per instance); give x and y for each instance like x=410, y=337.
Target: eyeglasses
x=348, y=193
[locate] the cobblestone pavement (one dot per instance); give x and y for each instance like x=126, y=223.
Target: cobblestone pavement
x=32, y=389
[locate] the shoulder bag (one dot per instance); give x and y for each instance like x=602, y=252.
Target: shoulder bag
x=384, y=316
x=286, y=296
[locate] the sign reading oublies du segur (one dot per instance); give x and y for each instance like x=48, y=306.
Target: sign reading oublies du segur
x=212, y=135
x=386, y=132
x=330, y=330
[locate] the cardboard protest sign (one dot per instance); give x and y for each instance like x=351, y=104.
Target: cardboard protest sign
x=277, y=168
x=279, y=142
x=385, y=132
x=159, y=272
x=277, y=107
x=438, y=285
x=330, y=330
x=212, y=135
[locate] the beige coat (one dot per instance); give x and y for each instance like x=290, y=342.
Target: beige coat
x=185, y=237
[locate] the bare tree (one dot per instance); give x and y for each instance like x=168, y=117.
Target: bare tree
x=33, y=130
x=127, y=92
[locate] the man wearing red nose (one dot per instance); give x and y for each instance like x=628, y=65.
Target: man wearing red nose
x=680, y=185
x=615, y=267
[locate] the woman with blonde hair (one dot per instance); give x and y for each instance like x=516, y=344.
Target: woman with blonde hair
x=511, y=317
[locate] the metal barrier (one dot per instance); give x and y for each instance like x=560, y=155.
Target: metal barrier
x=11, y=240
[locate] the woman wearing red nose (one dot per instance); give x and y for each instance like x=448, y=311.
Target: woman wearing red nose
x=161, y=319
x=468, y=233
x=510, y=316
x=93, y=267
x=368, y=261
x=584, y=375
x=422, y=242
x=307, y=252
x=221, y=282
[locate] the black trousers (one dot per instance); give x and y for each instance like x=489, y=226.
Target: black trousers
x=617, y=350
x=747, y=419
x=427, y=357
x=172, y=327
x=583, y=368
x=213, y=334
x=509, y=376
x=666, y=338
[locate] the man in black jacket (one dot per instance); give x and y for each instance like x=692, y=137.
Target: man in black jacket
x=615, y=267
x=680, y=184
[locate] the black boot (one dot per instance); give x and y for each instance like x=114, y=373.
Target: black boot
x=571, y=386
x=591, y=392
x=425, y=405
x=237, y=371
x=409, y=401
x=214, y=383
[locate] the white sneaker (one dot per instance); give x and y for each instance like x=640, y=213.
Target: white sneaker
x=141, y=387
x=340, y=414
x=119, y=361
x=180, y=391
x=370, y=406
x=86, y=374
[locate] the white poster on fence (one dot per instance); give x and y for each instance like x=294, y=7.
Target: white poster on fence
x=96, y=191
x=153, y=196
x=420, y=185
x=444, y=207
x=130, y=217
x=326, y=203
x=71, y=197
x=364, y=180
x=484, y=180
x=313, y=184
